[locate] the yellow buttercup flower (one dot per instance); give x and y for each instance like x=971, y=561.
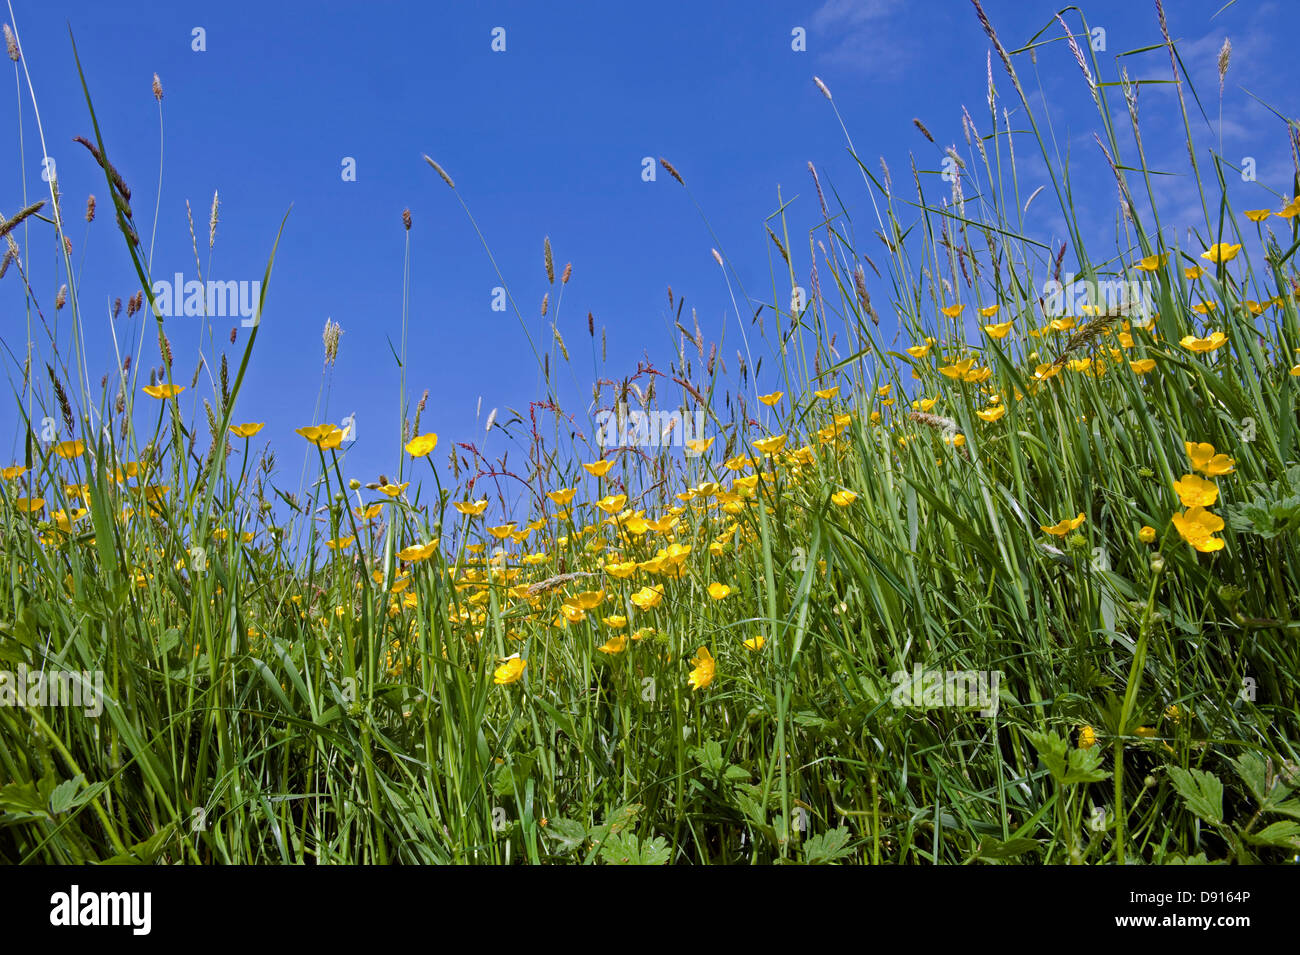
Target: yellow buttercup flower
x=998, y=331
x=511, y=669
x=324, y=436
x=826, y=393
x=589, y=599
x=163, y=391
x=664, y=524
x=647, y=598
x=563, y=496
x=1151, y=263
x=1290, y=210
x=339, y=543
x=952, y=311
x=1205, y=460
x=1207, y=344
x=598, y=468
x=992, y=414
x=621, y=570
x=699, y=445
x=1193, y=272
x=422, y=445
x=843, y=498
x=1147, y=534
x=502, y=531
x=615, y=621
x=418, y=552
x=919, y=351
x=1221, y=252
x=770, y=445
x=1257, y=215
x=615, y=644
x=471, y=509
x=29, y=505
x=705, y=668
x=612, y=503
x=772, y=398
x=718, y=590
x=392, y=490
x=1087, y=737
x=154, y=492
x=14, y=471
x=1142, y=366
x=65, y=520
x=957, y=369
x=1063, y=527
x=247, y=430
x=1195, y=491
x=573, y=614
x=70, y=449
x=677, y=553
x=754, y=644
x=1197, y=526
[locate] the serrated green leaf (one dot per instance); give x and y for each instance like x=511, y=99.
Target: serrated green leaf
x=566, y=833
x=624, y=848
x=1084, y=766
x=1052, y=751
x=1253, y=771
x=827, y=848
x=64, y=795
x=1284, y=834
x=1201, y=791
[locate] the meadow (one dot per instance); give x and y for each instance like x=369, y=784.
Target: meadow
x=1018, y=587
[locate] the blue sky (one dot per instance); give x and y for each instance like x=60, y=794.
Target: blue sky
x=544, y=139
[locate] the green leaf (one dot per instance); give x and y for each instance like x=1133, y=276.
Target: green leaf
x=737, y=774
x=1052, y=751
x=1290, y=807
x=1253, y=771
x=616, y=822
x=22, y=798
x=1283, y=834
x=566, y=833
x=1202, y=792
x=625, y=849
x=510, y=777
x=1084, y=766
x=64, y=795
x=709, y=756
x=827, y=848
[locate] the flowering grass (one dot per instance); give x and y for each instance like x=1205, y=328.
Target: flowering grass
x=652, y=656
